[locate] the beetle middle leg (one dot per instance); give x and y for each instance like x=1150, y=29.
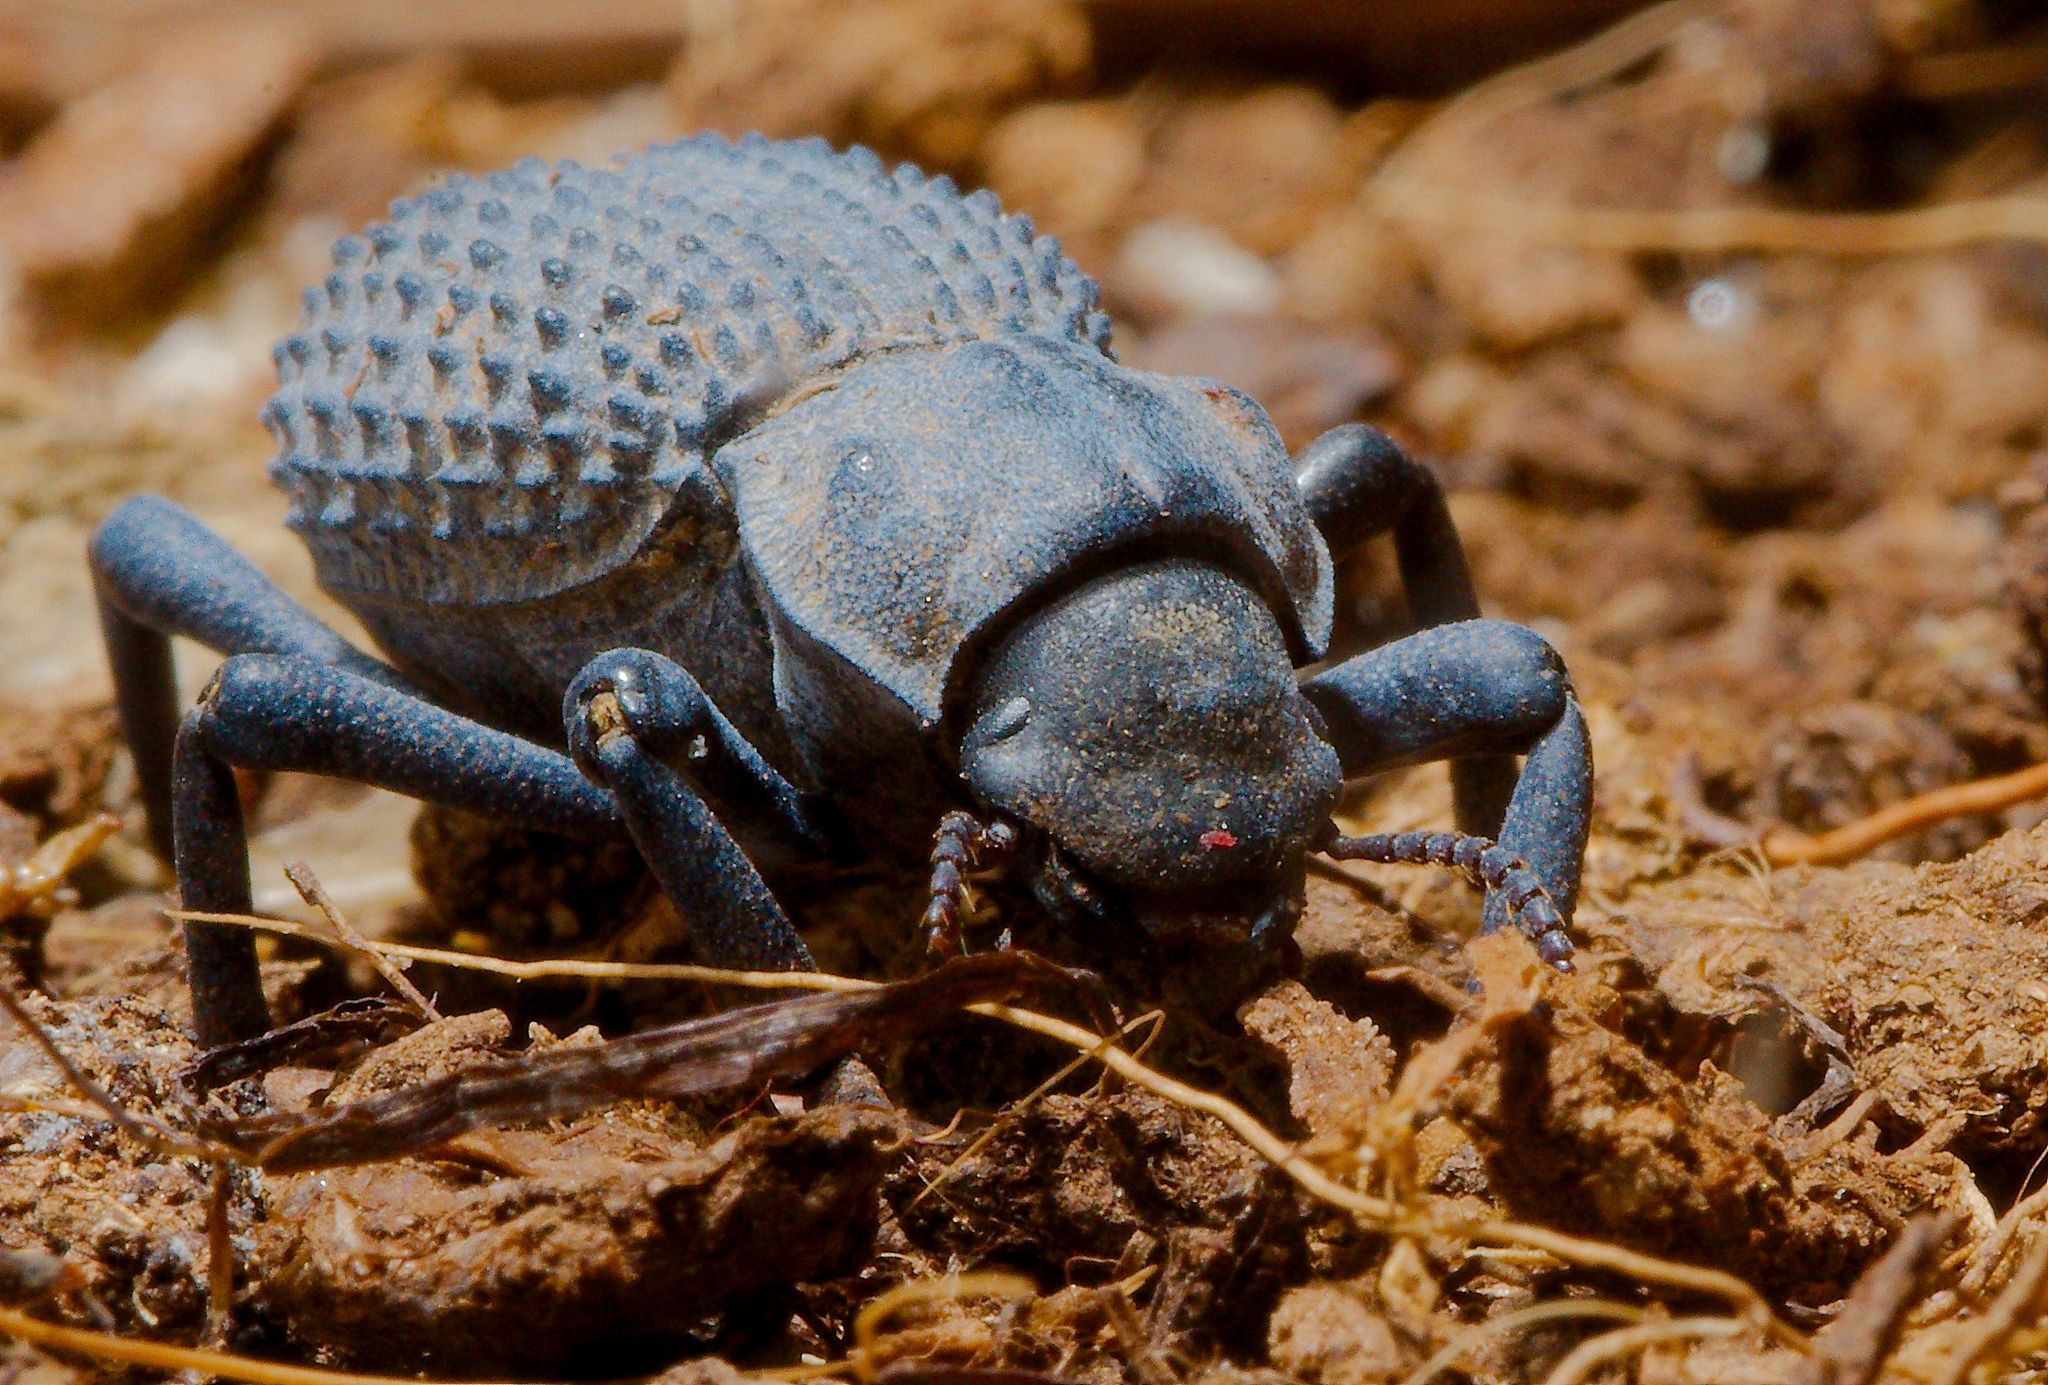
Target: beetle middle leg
x=1358, y=484
x=1475, y=688
x=640, y=725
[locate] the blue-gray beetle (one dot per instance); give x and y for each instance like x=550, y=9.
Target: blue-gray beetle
x=761, y=502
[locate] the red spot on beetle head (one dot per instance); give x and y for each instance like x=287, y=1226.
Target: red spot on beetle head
x=1216, y=839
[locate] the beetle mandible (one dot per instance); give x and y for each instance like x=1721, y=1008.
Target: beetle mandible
x=758, y=501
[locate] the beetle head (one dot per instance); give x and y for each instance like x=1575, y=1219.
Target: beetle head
x=1148, y=726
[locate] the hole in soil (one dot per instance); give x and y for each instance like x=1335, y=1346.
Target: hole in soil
x=1768, y=1056
x=1755, y=509
x=2004, y=1176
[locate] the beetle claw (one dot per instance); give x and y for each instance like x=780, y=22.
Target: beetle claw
x=942, y=930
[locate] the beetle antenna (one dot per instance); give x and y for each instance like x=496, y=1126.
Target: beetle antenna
x=963, y=842
x=1492, y=864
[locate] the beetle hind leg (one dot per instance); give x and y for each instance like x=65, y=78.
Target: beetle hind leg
x=1475, y=689
x=159, y=572
x=278, y=712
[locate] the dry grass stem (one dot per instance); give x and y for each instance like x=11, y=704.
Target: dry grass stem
x=1595, y=1352
x=1846, y=843
x=1558, y=1310
x=1983, y=1259
x=75, y=1110
x=543, y=968
x=980, y=1284
x=315, y=894
x=1987, y=1340
x=1720, y=230
x=160, y=1356
x=1650, y=1269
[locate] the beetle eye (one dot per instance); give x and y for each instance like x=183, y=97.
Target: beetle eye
x=1003, y=722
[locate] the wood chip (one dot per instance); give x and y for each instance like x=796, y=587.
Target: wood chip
x=110, y=203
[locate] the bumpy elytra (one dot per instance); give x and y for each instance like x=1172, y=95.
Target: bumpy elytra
x=762, y=502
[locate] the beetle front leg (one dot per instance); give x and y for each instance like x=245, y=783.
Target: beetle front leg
x=282, y=713
x=1481, y=688
x=640, y=725
x=1358, y=484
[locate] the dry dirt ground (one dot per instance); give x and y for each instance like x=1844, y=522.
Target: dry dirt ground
x=1728, y=330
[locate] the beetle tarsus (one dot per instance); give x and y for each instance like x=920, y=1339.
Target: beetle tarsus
x=1492, y=689
x=1505, y=875
x=962, y=842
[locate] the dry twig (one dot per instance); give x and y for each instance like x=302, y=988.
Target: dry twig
x=720, y=1053
x=315, y=894
x=1846, y=843
x=1852, y=1349
x=1595, y=1352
